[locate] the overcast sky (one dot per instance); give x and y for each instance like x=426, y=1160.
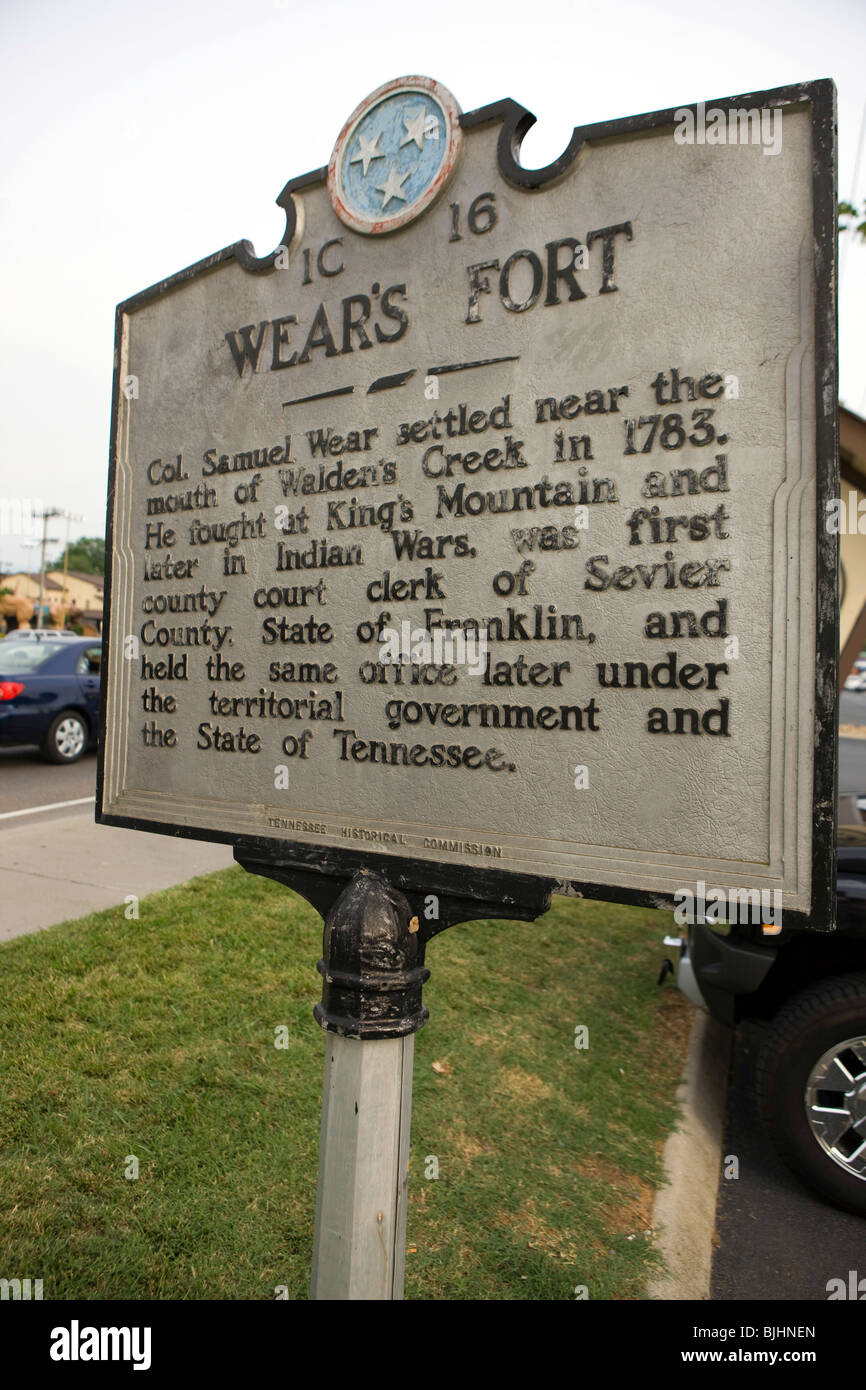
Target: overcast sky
x=140, y=137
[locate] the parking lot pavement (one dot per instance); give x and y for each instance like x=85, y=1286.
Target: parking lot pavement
x=776, y=1241
x=26, y=780
x=852, y=707
x=57, y=865
x=852, y=766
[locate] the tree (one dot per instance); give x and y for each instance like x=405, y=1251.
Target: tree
x=86, y=554
x=858, y=229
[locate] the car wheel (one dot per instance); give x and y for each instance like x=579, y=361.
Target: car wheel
x=812, y=1088
x=66, y=739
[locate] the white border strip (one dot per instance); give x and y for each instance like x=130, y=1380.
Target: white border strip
x=53, y=806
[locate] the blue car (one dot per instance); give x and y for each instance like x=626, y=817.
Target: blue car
x=49, y=694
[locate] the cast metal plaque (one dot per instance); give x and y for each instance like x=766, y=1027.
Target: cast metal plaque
x=477, y=525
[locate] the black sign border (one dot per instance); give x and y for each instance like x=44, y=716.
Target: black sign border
x=319, y=872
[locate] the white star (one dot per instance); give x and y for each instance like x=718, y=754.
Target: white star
x=414, y=124
x=368, y=152
x=392, y=187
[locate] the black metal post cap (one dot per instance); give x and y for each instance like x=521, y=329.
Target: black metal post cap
x=372, y=963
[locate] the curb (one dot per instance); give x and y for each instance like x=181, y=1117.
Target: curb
x=684, y=1214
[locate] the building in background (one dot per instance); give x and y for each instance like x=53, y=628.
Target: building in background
x=67, y=598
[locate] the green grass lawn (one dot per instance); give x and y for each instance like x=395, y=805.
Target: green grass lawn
x=155, y=1038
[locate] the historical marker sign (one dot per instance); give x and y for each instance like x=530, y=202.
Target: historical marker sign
x=478, y=525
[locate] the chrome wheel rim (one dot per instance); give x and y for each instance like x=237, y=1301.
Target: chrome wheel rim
x=69, y=738
x=836, y=1104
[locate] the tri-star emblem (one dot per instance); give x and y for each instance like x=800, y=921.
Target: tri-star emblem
x=394, y=154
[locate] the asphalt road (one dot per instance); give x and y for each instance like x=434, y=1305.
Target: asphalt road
x=27, y=781
x=852, y=707
x=852, y=751
x=852, y=766
x=776, y=1241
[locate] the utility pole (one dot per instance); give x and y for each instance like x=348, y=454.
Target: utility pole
x=70, y=516
x=46, y=517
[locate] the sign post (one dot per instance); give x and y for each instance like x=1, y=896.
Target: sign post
x=373, y=971
x=371, y=1007
x=470, y=546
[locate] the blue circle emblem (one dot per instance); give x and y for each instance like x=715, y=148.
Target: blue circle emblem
x=394, y=155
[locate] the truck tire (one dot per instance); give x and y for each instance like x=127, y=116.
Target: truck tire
x=812, y=1088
